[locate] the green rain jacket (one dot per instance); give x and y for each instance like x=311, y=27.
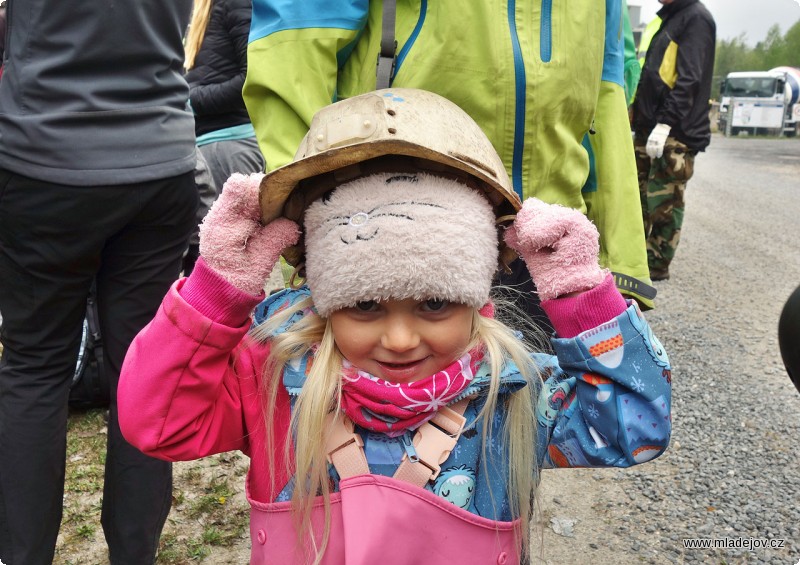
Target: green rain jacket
x=534, y=74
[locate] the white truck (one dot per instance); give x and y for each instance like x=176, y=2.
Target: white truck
x=761, y=102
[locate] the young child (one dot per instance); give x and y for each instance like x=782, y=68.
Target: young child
x=388, y=416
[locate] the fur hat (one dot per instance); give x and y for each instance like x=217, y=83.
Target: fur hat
x=397, y=236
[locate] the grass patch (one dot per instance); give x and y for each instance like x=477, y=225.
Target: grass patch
x=83, y=486
x=205, y=496
x=217, y=493
x=208, y=506
x=85, y=531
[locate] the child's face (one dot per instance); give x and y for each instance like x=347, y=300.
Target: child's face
x=402, y=341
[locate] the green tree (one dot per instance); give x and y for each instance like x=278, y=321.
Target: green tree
x=792, y=46
x=731, y=55
x=770, y=52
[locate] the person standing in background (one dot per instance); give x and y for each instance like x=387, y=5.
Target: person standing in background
x=216, y=65
x=671, y=123
x=97, y=153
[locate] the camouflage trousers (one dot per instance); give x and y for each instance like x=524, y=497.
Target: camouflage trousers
x=662, y=184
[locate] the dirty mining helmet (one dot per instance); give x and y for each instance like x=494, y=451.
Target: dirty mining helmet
x=392, y=130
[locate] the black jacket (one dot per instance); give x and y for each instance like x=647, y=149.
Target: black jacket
x=217, y=78
x=675, y=85
x=84, y=105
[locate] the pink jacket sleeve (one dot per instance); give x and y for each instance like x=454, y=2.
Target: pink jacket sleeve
x=572, y=315
x=189, y=386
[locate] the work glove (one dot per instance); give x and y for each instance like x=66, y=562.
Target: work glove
x=656, y=141
x=234, y=242
x=560, y=246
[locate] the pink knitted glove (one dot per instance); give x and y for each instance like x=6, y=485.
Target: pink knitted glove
x=560, y=246
x=233, y=241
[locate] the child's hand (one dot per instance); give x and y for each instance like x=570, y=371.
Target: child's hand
x=233, y=241
x=560, y=246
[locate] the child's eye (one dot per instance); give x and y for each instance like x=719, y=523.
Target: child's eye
x=435, y=305
x=366, y=306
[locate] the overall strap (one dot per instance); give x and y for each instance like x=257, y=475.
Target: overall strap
x=387, y=58
x=344, y=446
x=431, y=446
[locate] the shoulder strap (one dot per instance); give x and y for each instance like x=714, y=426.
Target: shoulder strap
x=387, y=58
x=344, y=446
x=431, y=446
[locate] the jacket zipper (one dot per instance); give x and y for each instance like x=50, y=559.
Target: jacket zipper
x=546, y=31
x=423, y=10
x=519, y=106
x=469, y=391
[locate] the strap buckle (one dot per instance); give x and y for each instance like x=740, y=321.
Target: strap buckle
x=385, y=68
x=449, y=420
x=435, y=439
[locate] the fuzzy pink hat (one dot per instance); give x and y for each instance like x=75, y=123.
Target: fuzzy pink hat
x=395, y=235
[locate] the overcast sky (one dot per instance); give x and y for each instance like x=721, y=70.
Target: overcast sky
x=733, y=17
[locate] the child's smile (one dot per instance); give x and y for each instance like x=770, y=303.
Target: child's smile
x=402, y=341
x=400, y=372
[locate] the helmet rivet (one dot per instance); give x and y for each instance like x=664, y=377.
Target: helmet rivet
x=320, y=137
x=367, y=123
x=359, y=219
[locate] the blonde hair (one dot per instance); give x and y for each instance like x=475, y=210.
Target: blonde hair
x=196, y=32
x=321, y=394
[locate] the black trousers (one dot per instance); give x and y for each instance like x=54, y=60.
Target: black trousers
x=54, y=240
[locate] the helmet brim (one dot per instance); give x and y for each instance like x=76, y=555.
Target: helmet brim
x=353, y=161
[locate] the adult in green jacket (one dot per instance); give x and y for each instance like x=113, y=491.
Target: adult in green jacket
x=535, y=75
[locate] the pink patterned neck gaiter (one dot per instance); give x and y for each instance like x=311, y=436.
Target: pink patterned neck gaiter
x=393, y=408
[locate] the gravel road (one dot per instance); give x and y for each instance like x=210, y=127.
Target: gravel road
x=733, y=468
